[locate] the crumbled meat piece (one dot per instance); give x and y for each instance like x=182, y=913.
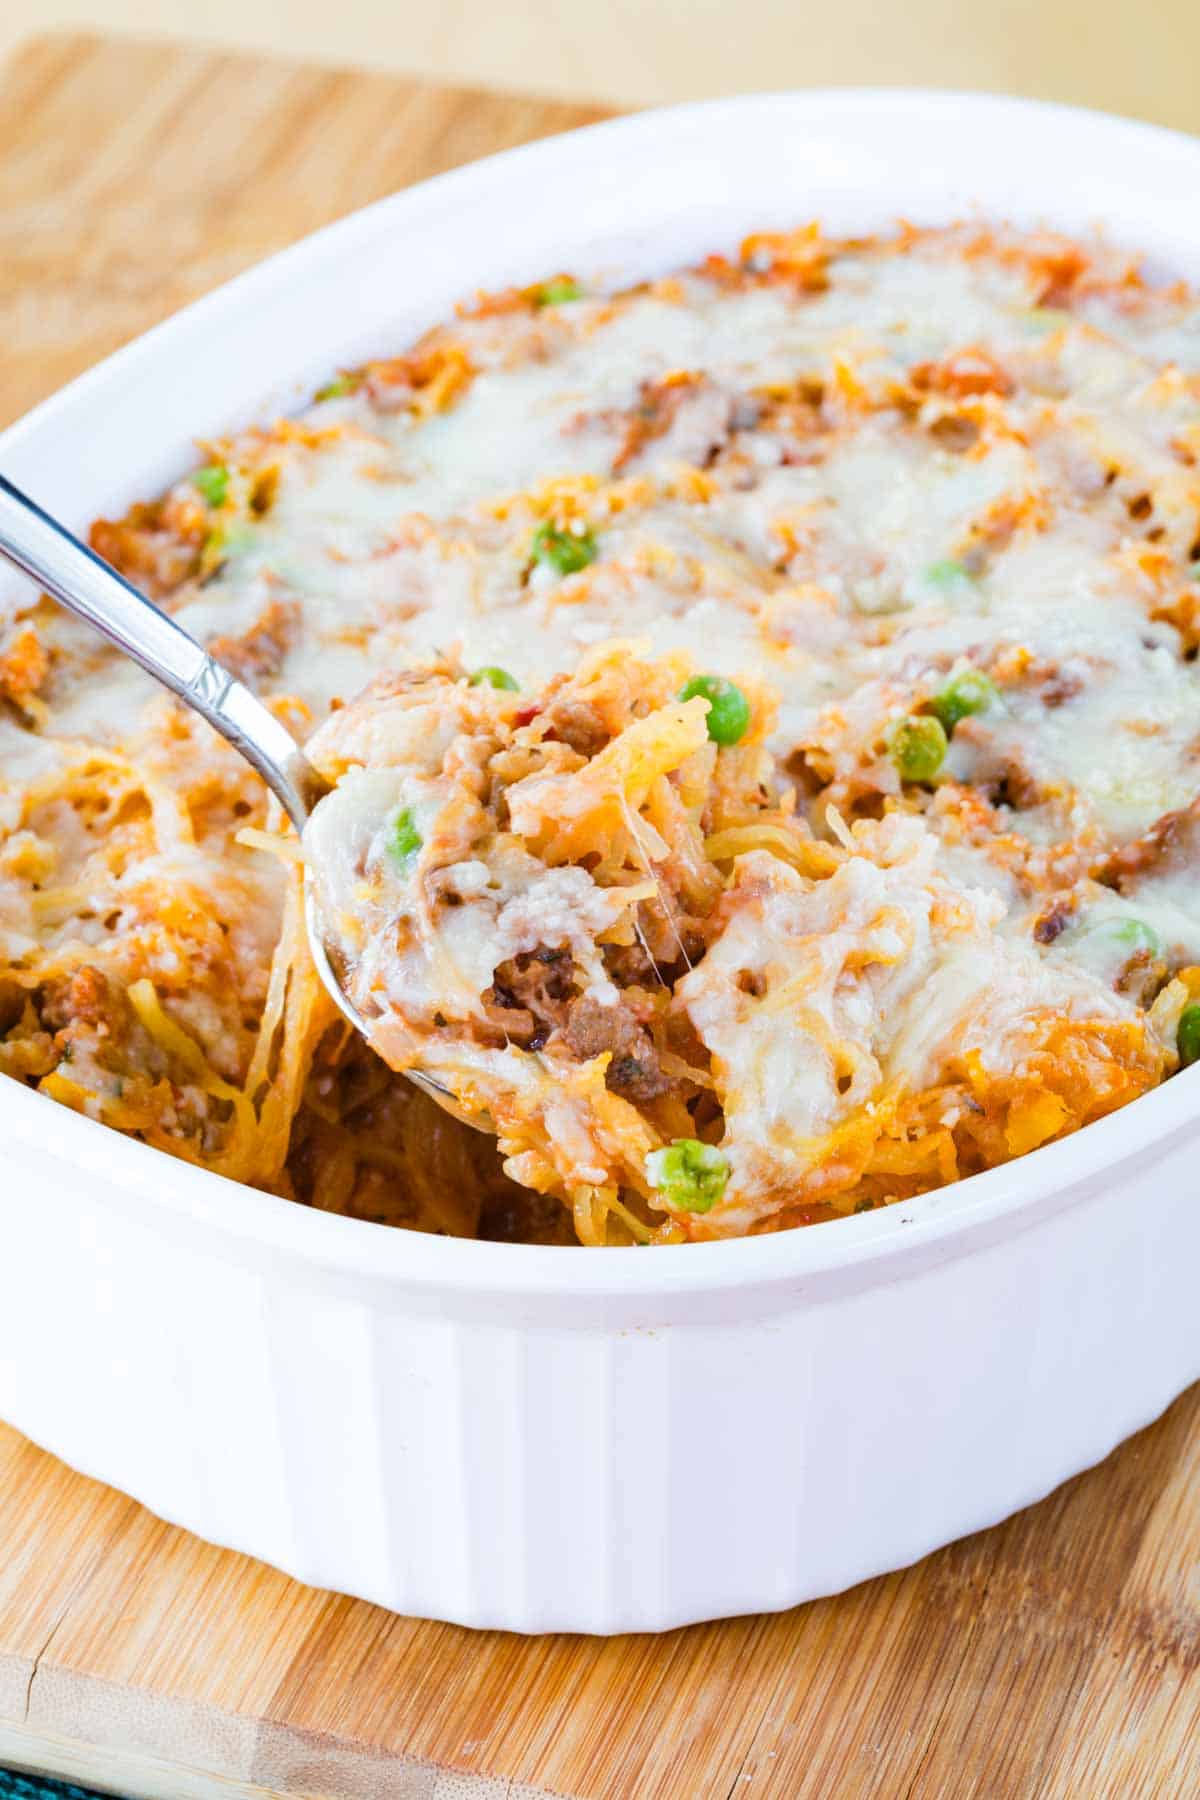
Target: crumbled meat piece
x=1003, y=775
x=1142, y=976
x=257, y=655
x=531, y=994
x=579, y=724
x=97, y=1029
x=1061, y=688
x=1171, y=839
x=110, y=1054
x=1051, y=923
x=1018, y=786
x=630, y=965
x=684, y=407
x=593, y=1028
x=157, y=545
x=1047, y=678
x=671, y=937
x=86, y=997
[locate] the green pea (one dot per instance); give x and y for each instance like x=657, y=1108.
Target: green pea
x=1194, y=570
x=947, y=573
x=690, y=1176
x=347, y=382
x=917, y=746
x=222, y=542
x=1187, y=1037
x=964, y=694
x=1125, y=937
x=1134, y=933
x=405, y=839
x=212, y=483
x=566, y=551
x=558, y=292
x=728, y=708
x=492, y=676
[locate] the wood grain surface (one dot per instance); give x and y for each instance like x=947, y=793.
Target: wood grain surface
x=1056, y=1656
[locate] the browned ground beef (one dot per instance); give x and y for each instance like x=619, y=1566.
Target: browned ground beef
x=257, y=655
x=1170, y=840
x=634, y=1072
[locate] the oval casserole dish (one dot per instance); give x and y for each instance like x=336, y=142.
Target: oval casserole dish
x=538, y=1438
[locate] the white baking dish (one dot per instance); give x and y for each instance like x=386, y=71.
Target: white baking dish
x=595, y=1440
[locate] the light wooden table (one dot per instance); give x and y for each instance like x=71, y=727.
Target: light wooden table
x=1056, y=1656
x=1114, y=54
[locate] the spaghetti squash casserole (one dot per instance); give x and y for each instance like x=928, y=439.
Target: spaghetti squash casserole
x=764, y=725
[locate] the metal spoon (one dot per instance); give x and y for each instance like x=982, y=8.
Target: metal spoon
x=40, y=547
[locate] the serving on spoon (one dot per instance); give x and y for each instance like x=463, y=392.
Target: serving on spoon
x=597, y=915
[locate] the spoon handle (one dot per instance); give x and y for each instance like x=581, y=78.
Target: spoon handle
x=91, y=589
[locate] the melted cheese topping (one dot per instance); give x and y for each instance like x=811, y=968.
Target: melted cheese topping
x=843, y=475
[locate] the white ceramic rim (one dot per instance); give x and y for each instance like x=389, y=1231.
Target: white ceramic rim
x=947, y=1219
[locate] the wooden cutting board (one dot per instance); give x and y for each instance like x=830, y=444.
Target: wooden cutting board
x=1058, y=1655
